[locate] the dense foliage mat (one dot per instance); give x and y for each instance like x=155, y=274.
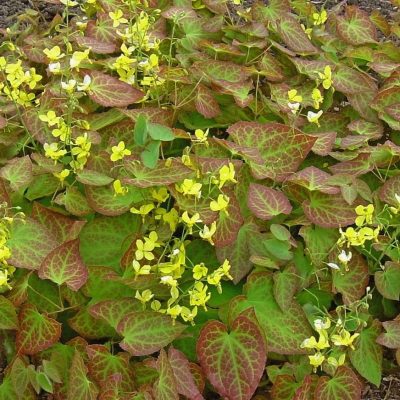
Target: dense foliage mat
x=199, y=200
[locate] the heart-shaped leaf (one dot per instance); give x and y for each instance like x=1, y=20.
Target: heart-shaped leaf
x=165, y=387
x=388, y=281
x=233, y=361
x=8, y=314
x=147, y=332
x=390, y=338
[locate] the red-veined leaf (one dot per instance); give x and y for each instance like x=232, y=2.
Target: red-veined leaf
x=18, y=172
x=8, y=314
x=390, y=338
x=205, y=102
x=387, y=192
x=165, y=387
x=97, y=46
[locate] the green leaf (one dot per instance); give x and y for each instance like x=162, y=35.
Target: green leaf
x=8, y=314
x=390, y=338
x=140, y=130
x=343, y=386
x=286, y=284
x=160, y=132
x=80, y=387
x=233, y=361
x=368, y=355
x=103, y=365
x=147, y=332
x=284, y=387
x=387, y=192
x=44, y=382
x=36, y=331
x=388, y=281
x=19, y=376
x=266, y=203
x=150, y=154
x=64, y=265
x=75, y=202
x=284, y=330
x=112, y=311
x=111, y=92
x=355, y=27
x=220, y=71
x=93, y=178
x=41, y=186
x=107, y=234
x=352, y=283
x=165, y=387
x=30, y=243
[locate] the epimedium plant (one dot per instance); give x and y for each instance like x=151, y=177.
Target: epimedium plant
x=199, y=199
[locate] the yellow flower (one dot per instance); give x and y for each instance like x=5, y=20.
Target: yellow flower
x=190, y=187
x=174, y=311
x=317, y=97
x=201, y=136
x=54, y=53
x=155, y=305
x=311, y=343
x=320, y=18
x=344, y=339
x=187, y=314
x=294, y=107
x=5, y=254
x=32, y=78
x=367, y=233
x=337, y=362
x=215, y=279
x=63, y=132
x=171, y=218
x=307, y=31
x=4, y=279
x=52, y=151
x=190, y=221
x=82, y=147
x=140, y=270
x=160, y=195
x=199, y=295
x=344, y=258
x=70, y=86
x=364, y=214
x=221, y=204
x=314, y=117
x=226, y=174
x=316, y=360
x=294, y=97
x=3, y=63
x=145, y=249
x=145, y=296
x=322, y=324
x=225, y=268
x=78, y=57
x=326, y=77
x=117, y=18
x=169, y=280
x=62, y=175
x=144, y=210
x=119, y=189
x=85, y=85
x=51, y=118
x=119, y=152
x=55, y=68
x=69, y=3
x=199, y=271
x=207, y=233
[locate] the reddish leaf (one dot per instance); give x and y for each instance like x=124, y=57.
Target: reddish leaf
x=294, y=36
x=102, y=29
x=36, y=331
x=97, y=46
x=282, y=148
x=313, y=179
x=343, y=386
x=233, y=361
x=324, y=143
x=185, y=382
x=18, y=172
x=388, y=191
x=111, y=92
x=284, y=387
x=355, y=27
x=3, y=122
x=328, y=211
x=349, y=81
x=155, y=115
x=90, y=327
x=266, y=203
x=165, y=387
x=205, y=102
x=390, y=338
x=352, y=283
x=147, y=332
x=8, y=314
x=64, y=265
x=79, y=385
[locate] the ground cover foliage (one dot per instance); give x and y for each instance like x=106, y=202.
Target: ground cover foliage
x=199, y=201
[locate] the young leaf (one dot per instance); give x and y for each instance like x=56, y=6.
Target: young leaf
x=160, y=132
x=150, y=154
x=368, y=355
x=343, y=386
x=233, y=361
x=266, y=203
x=147, y=332
x=64, y=265
x=36, y=331
x=111, y=92
x=140, y=130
